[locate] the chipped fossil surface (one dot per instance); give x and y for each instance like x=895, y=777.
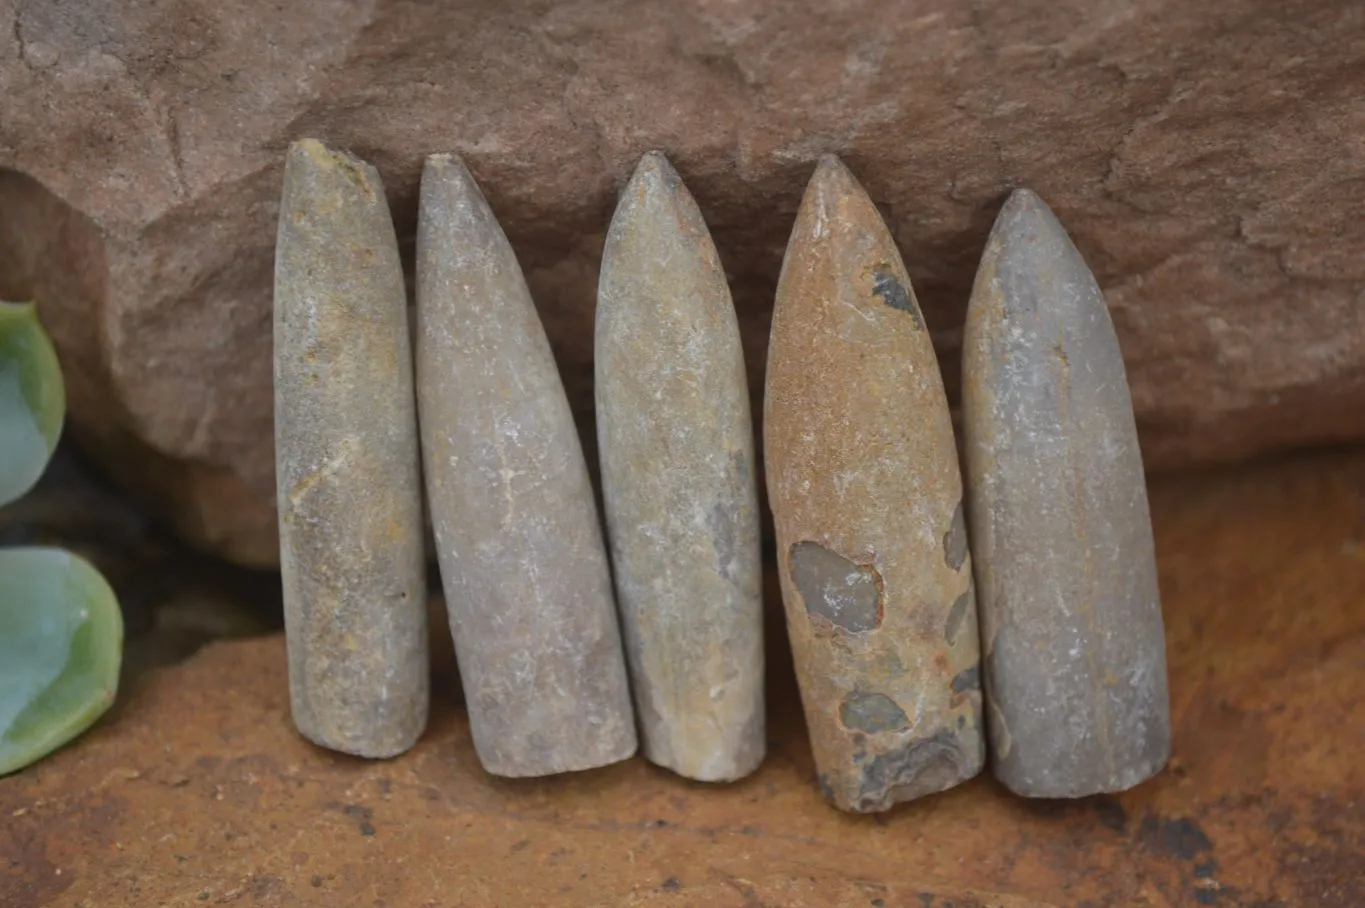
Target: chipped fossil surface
x=676, y=444
x=1075, y=656
x=866, y=494
x=350, y=513
x=525, y=571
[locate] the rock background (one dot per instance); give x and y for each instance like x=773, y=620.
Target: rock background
x=1208, y=158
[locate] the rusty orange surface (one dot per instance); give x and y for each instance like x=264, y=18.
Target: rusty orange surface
x=197, y=791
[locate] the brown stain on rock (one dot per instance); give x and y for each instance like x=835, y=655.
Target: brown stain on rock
x=35, y=869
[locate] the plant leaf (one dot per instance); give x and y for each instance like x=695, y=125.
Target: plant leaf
x=32, y=399
x=61, y=645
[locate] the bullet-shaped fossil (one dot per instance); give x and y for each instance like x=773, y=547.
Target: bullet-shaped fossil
x=527, y=583
x=866, y=494
x=1075, y=657
x=676, y=446
x=349, y=495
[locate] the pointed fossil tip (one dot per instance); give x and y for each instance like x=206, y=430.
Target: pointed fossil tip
x=655, y=170
x=833, y=186
x=1025, y=199
x=829, y=163
x=1025, y=212
x=450, y=193
x=446, y=164
x=1028, y=235
x=830, y=171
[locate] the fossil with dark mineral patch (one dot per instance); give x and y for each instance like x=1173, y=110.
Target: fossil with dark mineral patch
x=1075, y=659
x=866, y=494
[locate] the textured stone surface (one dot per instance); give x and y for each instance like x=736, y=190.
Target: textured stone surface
x=350, y=499
x=1075, y=653
x=1208, y=158
x=866, y=497
x=198, y=792
x=676, y=445
x=518, y=539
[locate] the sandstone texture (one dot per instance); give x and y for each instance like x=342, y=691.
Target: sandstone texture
x=350, y=495
x=518, y=538
x=866, y=496
x=676, y=443
x=1208, y=158
x=198, y=791
x=1061, y=532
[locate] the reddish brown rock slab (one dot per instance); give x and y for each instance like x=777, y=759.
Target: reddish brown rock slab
x=866, y=496
x=1206, y=156
x=198, y=792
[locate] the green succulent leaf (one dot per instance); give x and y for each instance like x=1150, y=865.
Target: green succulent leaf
x=61, y=645
x=32, y=399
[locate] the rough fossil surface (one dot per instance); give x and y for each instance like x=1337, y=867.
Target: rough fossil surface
x=866, y=495
x=1208, y=158
x=1061, y=531
x=350, y=505
x=195, y=790
x=676, y=442
x=518, y=538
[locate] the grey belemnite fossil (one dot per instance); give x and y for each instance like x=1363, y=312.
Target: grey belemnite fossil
x=1075, y=660
x=676, y=445
x=349, y=496
x=525, y=571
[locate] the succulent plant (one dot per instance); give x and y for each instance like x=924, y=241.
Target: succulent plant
x=61, y=630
